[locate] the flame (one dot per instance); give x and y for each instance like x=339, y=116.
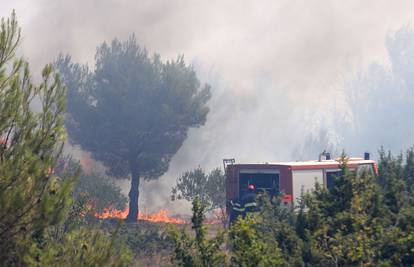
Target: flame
x=217, y=216
x=160, y=216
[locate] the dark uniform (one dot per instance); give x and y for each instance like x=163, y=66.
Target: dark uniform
x=237, y=209
x=249, y=202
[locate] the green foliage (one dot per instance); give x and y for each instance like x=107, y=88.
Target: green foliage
x=277, y=221
x=146, y=240
x=198, y=250
x=36, y=207
x=133, y=111
x=250, y=247
x=362, y=227
x=31, y=197
x=82, y=247
x=395, y=179
x=390, y=173
x=209, y=188
x=341, y=214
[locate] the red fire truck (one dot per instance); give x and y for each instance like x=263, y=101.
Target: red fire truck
x=288, y=178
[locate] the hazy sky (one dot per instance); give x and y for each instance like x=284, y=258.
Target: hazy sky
x=277, y=67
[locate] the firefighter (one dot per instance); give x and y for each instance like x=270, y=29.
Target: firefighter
x=248, y=201
x=236, y=210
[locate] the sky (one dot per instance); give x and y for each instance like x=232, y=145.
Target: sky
x=280, y=70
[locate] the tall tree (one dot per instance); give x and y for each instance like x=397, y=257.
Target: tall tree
x=31, y=197
x=133, y=111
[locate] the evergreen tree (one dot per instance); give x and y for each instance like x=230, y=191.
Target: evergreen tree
x=36, y=216
x=133, y=111
x=31, y=197
x=350, y=232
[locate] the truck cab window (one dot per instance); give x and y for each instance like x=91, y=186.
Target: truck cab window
x=330, y=178
x=263, y=182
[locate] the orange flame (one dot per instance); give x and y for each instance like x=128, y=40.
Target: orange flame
x=160, y=216
x=216, y=217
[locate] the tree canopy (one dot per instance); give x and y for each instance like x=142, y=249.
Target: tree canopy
x=209, y=188
x=133, y=111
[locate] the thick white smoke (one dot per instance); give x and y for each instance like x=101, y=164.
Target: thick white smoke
x=282, y=71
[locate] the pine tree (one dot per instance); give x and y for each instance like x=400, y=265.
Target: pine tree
x=31, y=197
x=133, y=112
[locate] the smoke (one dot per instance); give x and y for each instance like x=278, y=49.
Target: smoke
x=283, y=72
x=381, y=99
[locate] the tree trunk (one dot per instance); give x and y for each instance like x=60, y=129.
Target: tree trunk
x=133, y=195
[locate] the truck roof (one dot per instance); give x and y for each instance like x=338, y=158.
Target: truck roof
x=322, y=162
x=313, y=163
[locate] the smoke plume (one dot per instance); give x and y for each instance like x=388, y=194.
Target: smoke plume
x=290, y=78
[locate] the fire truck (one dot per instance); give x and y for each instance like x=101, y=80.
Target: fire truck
x=289, y=179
